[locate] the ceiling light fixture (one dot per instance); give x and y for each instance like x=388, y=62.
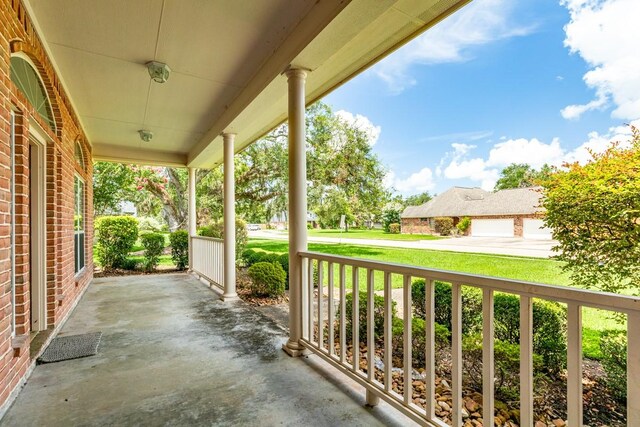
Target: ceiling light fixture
x=145, y=135
x=158, y=71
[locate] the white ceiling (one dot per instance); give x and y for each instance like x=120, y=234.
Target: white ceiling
x=226, y=59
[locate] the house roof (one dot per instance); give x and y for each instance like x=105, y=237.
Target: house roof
x=462, y=201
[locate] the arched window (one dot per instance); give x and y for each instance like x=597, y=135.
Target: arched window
x=27, y=80
x=79, y=155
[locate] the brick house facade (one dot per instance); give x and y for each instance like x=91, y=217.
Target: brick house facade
x=517, y=204
x=57, y=147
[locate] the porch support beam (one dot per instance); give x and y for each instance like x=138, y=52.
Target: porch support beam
x=192, y=212
x=297, y=205
x=229, y=216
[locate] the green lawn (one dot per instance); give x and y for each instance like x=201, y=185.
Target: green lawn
x=518, y=268
x=369, y=234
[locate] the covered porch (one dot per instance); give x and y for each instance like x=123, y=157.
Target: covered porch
x=172, y=353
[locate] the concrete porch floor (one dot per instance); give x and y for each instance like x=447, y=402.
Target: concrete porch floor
x=172, y=353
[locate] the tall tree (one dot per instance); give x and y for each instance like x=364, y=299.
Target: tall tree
x=521, y=175
x=594, y=212
x=417, y=199
x=112, y=184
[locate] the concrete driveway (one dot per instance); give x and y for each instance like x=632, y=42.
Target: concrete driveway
x=487, y=245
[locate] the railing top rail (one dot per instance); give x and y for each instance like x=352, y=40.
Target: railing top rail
x=589, y=298
x=212, y=239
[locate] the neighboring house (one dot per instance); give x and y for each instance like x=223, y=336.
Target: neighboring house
x=280, y=222
x=505, y=213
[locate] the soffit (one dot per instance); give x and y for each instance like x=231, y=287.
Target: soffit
x=226, y=59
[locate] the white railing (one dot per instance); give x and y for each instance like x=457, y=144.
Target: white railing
x=314, y=324
x=207, y=258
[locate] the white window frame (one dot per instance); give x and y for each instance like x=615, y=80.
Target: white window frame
x=12, y=189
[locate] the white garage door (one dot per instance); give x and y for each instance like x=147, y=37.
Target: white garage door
x=535, y=229
x=492, y=227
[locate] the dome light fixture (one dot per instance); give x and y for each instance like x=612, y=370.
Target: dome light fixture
x=145, y=135
x=158, y=71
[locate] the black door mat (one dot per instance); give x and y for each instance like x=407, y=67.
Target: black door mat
x=71, y=347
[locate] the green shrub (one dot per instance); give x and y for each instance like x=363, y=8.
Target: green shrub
x=443, y=225
x=246, y=256
x=614, y=361
x=268, y=279
x=464, y=224
x=506, y=365
x=179, y=241
x=284, y=262
x=471, y=305
x=394, y=228
x=390, y=216
x=153, y=244
x=116, y=235
x=549, y=328
x=129, y=264
x=271, y=257
x=378, y=315
x=255, y=257
x=216, y=230
x=418, y=336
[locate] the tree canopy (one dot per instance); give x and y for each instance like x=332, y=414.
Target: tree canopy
x=594, y=212
x=521, y=175
x=344, y=178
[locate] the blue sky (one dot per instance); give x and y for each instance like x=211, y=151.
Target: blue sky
x=501, y=81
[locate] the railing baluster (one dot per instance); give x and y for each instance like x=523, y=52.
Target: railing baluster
x=430, y=351
x=355, y=321
x=408, y=359
x=310, y=299
x=574, y=364
x=371, y=343
x=343, y=307
x=456, y=353
x=320, y=308
x=330, y=308
x=633, y=369
x=526, y=361
x=488, y=374
x=305, y=298
x=388, y=331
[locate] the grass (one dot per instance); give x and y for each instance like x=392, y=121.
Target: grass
x=165, y=260
x=537, y=270
x=369, y=234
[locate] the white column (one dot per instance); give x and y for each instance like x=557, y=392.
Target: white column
x=192, y=212
x=229, y=215
x=297, y=206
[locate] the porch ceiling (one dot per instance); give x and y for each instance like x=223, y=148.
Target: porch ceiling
x=226, y=58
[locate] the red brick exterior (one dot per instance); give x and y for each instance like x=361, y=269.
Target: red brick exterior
x=18, y=36
x=421, y=226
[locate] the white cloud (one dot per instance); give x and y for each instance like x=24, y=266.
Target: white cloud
x=481, y=22
x=361, y=122
x=574, y=111
x=461, y=149
x=417, y=182
x=533, y=152
x=605, y=34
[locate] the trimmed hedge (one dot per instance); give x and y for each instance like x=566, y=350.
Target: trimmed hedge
x=115, y=235
x=215, y=230
x=614, y=361
x=443, y=225
x=283, y=259
x=418, y=343
x=153, y=244
x=378, y=315
x=394, y=228
x=246, y=256
x=179, y=241
x=267, y=279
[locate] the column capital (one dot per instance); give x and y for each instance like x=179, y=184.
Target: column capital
x=300, y=73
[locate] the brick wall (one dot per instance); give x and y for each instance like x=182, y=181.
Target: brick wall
x=18, y=37
x=415, y=226
x=418, y=226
